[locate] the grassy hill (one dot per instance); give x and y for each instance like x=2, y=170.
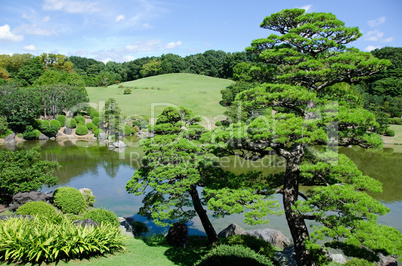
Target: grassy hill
x=151, y=95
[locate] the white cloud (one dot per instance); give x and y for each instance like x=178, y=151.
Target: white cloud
x=146, y=26
x=46, y=19
x=141, y=46
x=371, y=48
x=71, y=6
x=106, y=60
x=172, y=45
x=8, y=36
x=128, y=58
x=119, y=18
x=30, y=47
x=376, y=22
x=34, y=29
x=306, y=7
x=377, y=36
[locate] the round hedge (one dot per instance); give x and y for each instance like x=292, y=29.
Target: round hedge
x=95, y=120
x=102, y=215
x=71, y=123
x=45, y=123
x=69, y=200
x=389, y=132
x=127, y=130
x=94, y=114
x=81, y=130
x=37, y=208
x=80, y=119
x=62, y=119
x=89, y=125
x=233, y=255
x=55, y=123
x=97, y=132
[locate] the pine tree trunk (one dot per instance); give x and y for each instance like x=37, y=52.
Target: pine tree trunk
x=296, y=223
x=206, y=223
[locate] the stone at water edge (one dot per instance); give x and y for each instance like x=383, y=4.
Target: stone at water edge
x=68, y=131
x=274, y=237
x=119, y=144
x=23, y=197
x=125, y=226
x=10, y=138
x=43, y=137
x=232, y=229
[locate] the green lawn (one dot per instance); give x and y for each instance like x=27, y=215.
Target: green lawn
x=198, y=92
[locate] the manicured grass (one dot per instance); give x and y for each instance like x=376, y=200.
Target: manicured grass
x=198, y=92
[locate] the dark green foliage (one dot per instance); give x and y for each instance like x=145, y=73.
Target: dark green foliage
x=81, y=130
x=71, y=123
x=395, y=121
x=94, y=114
x=80, y=119
x=27, y=74
x=69, y=200
x=111, y=118
x=359, y=262
x=22, y=171
x=95, y=120
x=55, y=123
x=139, y=228
x=258, y=245
x=3, y=125
x=49, y=130
x=102, y=216
x=29, y=133
x=127, y=91
x=89, y=125
x=41, y=240
x=37, y=208
x=389, y=132
x=233, y=255
x=229, y=94
x=62, y=119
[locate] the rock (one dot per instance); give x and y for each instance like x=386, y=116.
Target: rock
x=59, y=134
x=275, y=237
x=102, y=136
x=387, y=261
x=232, y=229
x=52, y=138
x=338, y=258
x=119, y=144
x=286, y=257
x=178, y=235
x=5, y=217
x=86, y=222
x=10, y=138
x=86, y=192
x=23, y=197
x=68, y=131
x=125, y=226
x=43, y=137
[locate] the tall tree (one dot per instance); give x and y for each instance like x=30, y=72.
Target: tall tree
x=308, y=110
x=110, y=118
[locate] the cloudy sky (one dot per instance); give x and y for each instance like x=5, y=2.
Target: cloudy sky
x=122, y=30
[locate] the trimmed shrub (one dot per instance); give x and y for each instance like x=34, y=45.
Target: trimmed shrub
x=49, y=130
x=19, y=135
x=97, y=131
x=135, y=129
x=81, y=130
x=233, y=255
x=102, y=215
x=127, y=130
x=69, y=200
x=29, y=133
x=41, y=240
x=71, y=123
x=94, y=114
x=398, y=121
x=37, y=133
x=37, y=208
x=359, y=262
x=127, y=91
x=120, y=87
x=45, y=123
x=38, y=122
x=89, y=125
x=80, y=119
x=218, y=123
x=258, y=245
x=95, y=120
x=55, y=123
x=6, y=133
x=389, y=132
x=62, y=119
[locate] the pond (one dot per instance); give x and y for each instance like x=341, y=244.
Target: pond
x=106, y=172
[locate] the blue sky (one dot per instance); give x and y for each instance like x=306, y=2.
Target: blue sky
x=117, y=30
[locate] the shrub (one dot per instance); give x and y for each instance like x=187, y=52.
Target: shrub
x=81, y=130
x=79, y=119
x=218, y=123
x=260, y=246
x=49, y=130
x=37, y=208
x=389, y=132
x=359, y=262
x=55, y=123
x=29, y=133
x=69, y=200
x=233, y=255
x=6, y=133
x=90, y=199
x=40, y=240
x=71, y=123
x=37, y=133
x=19, y=135
x=120, y=87
x=96, y=121
x=38, y=122
x=102, y=215
x=97, y=132
x=45, y=123
x=89, y=125
x=135, y=129
x=62, y=119
x=127, y=130
x=398, y=121
x=94, y=114
x=127, y=91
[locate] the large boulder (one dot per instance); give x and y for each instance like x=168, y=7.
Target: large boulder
x=10, y=138
x=43, y=137
x=102, y=136
x=125, y=226
x=119, y=144
x=338, y=258
x=232, y=229
x=23, y=197
x=86, y=192
x=274, y=237
x=178, y=235
x=387, y=260
x=68, y=131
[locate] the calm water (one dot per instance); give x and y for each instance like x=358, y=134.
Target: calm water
x=106, y=172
